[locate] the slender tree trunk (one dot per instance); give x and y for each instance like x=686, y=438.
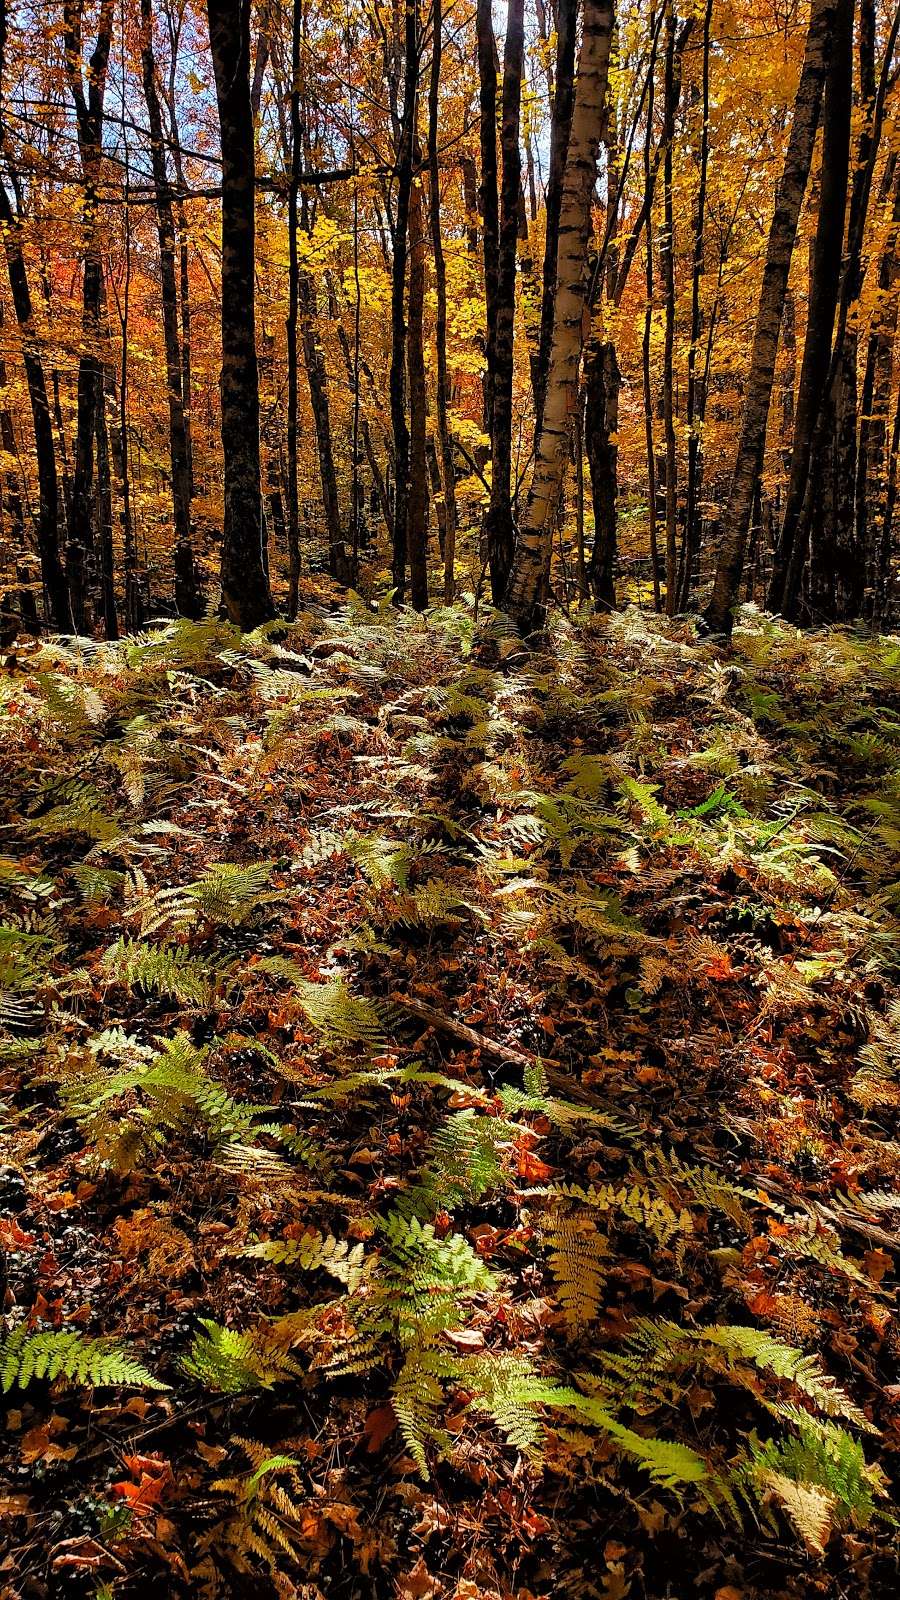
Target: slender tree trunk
x=245, y=586
x=563, y=93
x=698, y=266
x=397, y=385
x=296, y=157
x=648, y=329
x=317, y=377
x=59, y=608
x=874, y=442
x=187, y=590
x=442, y=387
x=418, y=406
x=490, y=196
x=883, y=589
x=824, y=286
x=529, y=580
x=602, y=381
x=780, y=248
x=499, y=527
x=89, y=123
x=667, y=262
x=105, y=525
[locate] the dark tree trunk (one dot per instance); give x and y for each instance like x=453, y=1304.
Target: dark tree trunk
x=780, y=249
x=442, y=387
x=397, y=384
x=317, y=377
x=59, y=608
x=694, y=400
x=105, y=525
x=823, y=289
x=188, y=597
x=500, y=533
x=602, y=378
x=667, y=262
x=490, y=195
x=418, y=407
x=245, y=587
x=649, y=182
x=836, y=558
x=296, y=158
x=883, y=587
x=89, y=124
x=872, y=466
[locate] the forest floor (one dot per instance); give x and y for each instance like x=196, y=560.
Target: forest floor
x=468, y=1081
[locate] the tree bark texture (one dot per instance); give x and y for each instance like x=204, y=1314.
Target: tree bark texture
x=245, y=586
x=780, y=249
x=529, y=580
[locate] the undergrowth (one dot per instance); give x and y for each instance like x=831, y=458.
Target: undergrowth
x=620, y=1262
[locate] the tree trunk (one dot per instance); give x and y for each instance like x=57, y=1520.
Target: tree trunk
x=397, y=385
x=602, y=379
x=691, y=545
x=560, y=128
x=872, y=468
x=188, y=597
x=317, y=377
x=296, y=159
x=490, y=201
x=823, y=289
x=442, y=388
x=499, y=526
x=105, y=525
x=667, y=262
x=59, y=608
x=245, y=587
x=89, y=125
x=649, y=183
x=838, y=558
x=780, y=248
x=883, y=587
x=529, y=580
x=418, y=410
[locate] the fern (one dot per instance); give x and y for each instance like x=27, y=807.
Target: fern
x=633, y=1202
x=577, y=1253
x=312, y=1251
x=169, y=971
x=819, y=1476
x=701, y=1186
x=265, y=1519
x=232, y=1363
x=130, y=1107
x=465, y=1163
x=25, y=1356
x=655, y=1350
x=340, y=1017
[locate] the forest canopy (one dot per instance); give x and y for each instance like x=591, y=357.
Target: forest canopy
x=543, y=303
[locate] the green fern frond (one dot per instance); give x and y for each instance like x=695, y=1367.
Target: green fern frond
x=73, y=1356
x=231, y=1362
x=820, y=1477
x=169, y=971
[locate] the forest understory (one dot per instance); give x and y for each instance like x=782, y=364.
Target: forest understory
x=461, y=1086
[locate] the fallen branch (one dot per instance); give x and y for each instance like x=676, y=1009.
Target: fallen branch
x=490, y=1047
